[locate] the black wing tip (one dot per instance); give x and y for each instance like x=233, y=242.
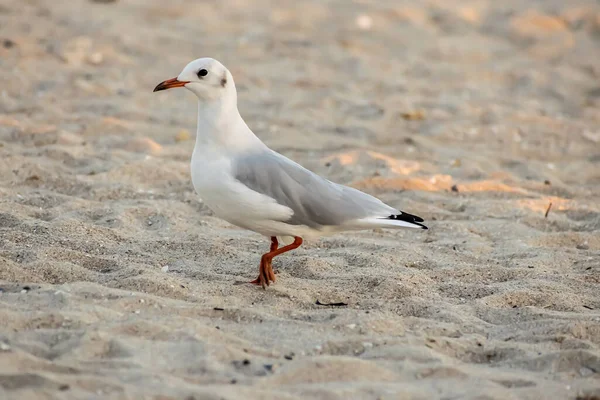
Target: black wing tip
x=418, y=224
x=412, y=219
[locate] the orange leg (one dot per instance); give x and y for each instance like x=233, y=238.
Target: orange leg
x=268, y=266
x=274, y=243
x=265, y=271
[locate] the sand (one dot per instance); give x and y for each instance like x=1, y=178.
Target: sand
x=117, y=282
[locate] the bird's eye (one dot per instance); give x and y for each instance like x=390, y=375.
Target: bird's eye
x=202, y=73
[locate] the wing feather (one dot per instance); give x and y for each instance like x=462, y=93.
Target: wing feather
x=315, y=201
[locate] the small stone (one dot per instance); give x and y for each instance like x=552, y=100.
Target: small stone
x=183, y=135
x=367, y=345
x=76, y=50
x=416, y=115
x=7, y=43
x=454, y=188
x=585, y=371
x=583, y=246
x=364, y=22
x=165, y=268
x=4, y=346
x=95, y=58
x=351, y=326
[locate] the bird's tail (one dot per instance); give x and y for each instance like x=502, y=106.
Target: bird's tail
x=402, y=220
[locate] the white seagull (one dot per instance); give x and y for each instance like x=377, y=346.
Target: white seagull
x=251, y=186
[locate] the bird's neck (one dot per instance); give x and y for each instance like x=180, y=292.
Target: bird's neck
x=221, y=128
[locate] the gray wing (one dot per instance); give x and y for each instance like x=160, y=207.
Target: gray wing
x=315, y=200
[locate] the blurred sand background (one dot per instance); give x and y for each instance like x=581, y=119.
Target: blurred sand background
x=116, y=281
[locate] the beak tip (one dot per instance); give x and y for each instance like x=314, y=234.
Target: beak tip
x=168, y=84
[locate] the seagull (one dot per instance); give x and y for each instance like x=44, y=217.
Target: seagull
x=253, y=187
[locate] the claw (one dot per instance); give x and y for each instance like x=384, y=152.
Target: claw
x=265, y=274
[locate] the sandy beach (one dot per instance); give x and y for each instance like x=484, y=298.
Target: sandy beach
x=482, y=117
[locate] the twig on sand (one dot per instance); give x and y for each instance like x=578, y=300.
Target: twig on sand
x=548, y=210
x=340, y=304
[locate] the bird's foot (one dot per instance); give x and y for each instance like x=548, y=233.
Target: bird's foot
x=265, y=274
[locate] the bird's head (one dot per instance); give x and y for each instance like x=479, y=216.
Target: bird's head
x=207, y=78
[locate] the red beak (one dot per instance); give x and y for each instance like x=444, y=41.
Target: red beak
x=169, y=84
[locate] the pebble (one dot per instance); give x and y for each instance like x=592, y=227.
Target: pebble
x=183, y=135
x=165, y=268
x=416, y=115
x=76, y=50
x=95, y=58
x=364, y=22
